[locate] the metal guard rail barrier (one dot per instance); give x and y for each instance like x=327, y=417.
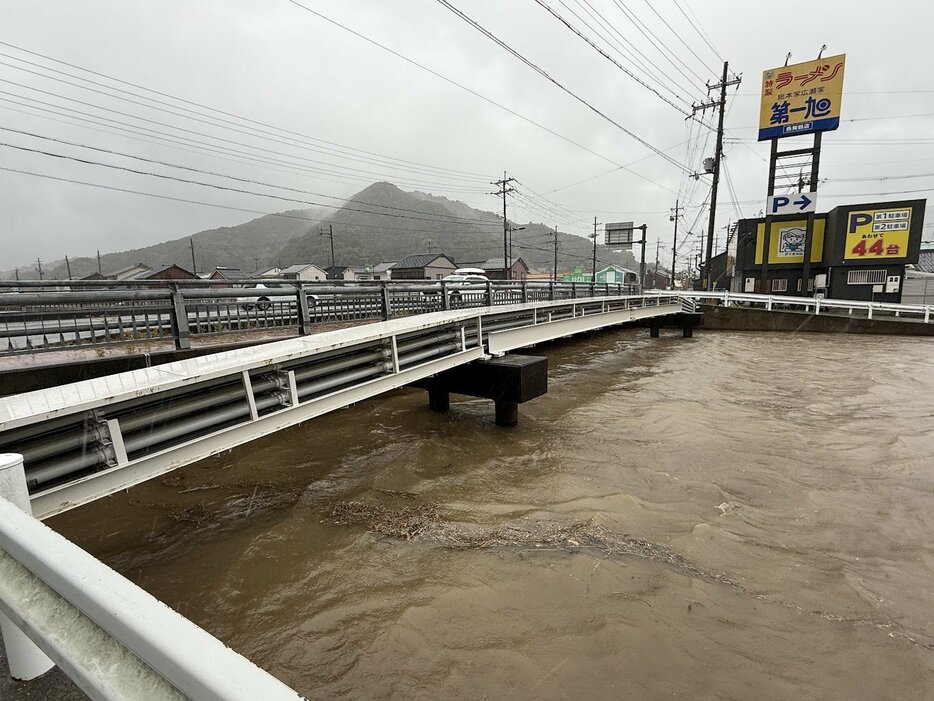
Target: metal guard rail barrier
x=92, y=438
x=34, y=318
x=918, y=312
x=115, y=641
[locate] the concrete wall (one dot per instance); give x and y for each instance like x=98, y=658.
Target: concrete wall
x=740, y=319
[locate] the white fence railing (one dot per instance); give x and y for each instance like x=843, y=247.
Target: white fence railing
x=62, y=606
x=814, y=305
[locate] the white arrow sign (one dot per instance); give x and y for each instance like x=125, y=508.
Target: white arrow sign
x=801, y=203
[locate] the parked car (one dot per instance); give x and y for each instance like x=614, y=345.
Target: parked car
x=261, y=300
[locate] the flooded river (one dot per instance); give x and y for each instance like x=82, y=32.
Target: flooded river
x=733, y=516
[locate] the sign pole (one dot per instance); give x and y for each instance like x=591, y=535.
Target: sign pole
x=767, y=233
x=809, y=229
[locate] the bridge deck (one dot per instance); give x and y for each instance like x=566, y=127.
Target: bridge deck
x=92, y=438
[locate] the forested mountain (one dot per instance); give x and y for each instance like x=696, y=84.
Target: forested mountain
x=380, y=223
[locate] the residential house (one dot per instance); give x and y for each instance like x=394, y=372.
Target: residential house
x=617, y=275
x=127, y=273
x=303, y=271
x=423, y=266
x=340, y=272
x=224, y=273
x=274, y=271
x=384, y=270
x=493, y=267
x=169, y=272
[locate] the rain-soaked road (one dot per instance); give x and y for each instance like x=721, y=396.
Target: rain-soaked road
x=735, y=516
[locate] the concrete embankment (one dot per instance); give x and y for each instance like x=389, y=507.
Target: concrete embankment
x=745, y=319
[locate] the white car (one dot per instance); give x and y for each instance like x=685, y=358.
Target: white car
x=464, y=279
x=259, y=300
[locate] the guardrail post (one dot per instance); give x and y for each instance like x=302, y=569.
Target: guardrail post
x=551, y=291
x=525, y=291
x=593, y=291
x=445, y=302
x=573, y=290
x=385, y=302
x=489, y=294
x=179, y=317
x=304, y=315
x=25, y=659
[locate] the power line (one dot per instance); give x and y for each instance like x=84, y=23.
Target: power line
x=548, y=77
x=282, y=215
x=450, y=217
x=366, y=175
x=680, y=38
x=452, y=82
x=202, y=149
x=695, y=25
x=202, y=106
x=610, y=58
x=626, y=49
x=213, y=185
x=192, y=131
x=656, y=42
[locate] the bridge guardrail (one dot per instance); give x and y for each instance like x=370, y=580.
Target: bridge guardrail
x=115, y=641
x=916, y=312
x=61, y=315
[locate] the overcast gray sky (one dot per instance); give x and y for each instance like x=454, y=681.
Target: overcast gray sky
x=274, y=62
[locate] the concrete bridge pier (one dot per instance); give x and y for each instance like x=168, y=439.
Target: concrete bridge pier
x=509, y=381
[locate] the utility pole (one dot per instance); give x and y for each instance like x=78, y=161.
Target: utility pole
x=655, y=274
x=68, y=267
x=39, y=267
x=99, y=269
x=676, y=214
x=555, y=274
x=191, y=245
x=429, y=245
x=330, y=234
x=718, y=157
x=593, y=275
x=504, y=189
x=511, y=230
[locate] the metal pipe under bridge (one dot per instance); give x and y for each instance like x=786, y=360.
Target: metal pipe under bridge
x=89, y=439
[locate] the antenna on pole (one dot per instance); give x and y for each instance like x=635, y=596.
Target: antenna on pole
x=788, y=56
x=823, y=48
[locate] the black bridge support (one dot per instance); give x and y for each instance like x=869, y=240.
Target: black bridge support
x=687, y=322
x=509, y=381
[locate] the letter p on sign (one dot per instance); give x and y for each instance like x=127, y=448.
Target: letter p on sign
x=778, y=203
x=858, y=219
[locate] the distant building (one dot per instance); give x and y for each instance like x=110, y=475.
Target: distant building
x=926, y=258
x=127, y=273
x=302, y=271
x=857, y=251
x=383, y=271
x=518, y=269
x=170, y=272
x=224, y=273
x=577, y=276
x=274, y=271
x=539, y=275
x=425, y=266
x=131, y=271
x=339, y=272
x=617, y=275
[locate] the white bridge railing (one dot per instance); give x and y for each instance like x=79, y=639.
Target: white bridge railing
x=814, y=305
x=61, y=606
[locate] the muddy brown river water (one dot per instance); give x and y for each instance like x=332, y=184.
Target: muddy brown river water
x=735, y=516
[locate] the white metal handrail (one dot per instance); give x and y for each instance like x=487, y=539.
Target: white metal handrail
x=924, y=313
x=113, y=639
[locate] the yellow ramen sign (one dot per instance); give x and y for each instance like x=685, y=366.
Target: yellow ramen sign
x=786, y=244
x=802, y=98
x=877, y=233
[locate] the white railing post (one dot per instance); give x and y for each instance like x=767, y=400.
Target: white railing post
x=26, y=660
